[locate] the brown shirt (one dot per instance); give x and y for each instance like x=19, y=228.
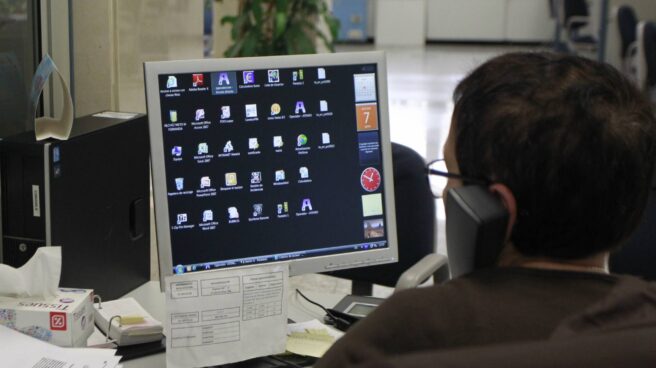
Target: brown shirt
x=488, y=306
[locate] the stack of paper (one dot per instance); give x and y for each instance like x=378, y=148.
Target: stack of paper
x=311, y=338
x=132, y=326
x=22, y=351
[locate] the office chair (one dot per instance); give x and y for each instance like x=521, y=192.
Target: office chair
x=573, y=17
x=415, y=226
x=627, y=23
x=646, y=58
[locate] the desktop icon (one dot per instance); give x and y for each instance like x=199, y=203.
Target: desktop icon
x=257, y=209
x=325, y=138
x=301, y=140
x=274, y=75
x=224, y=78
x=225, y=112
x=181, y=218
x=197, y=80
x=203, y=148
x=297, y=75
x=205, y=182
x=256, y=177
x=282, y=208
x=172, y=82
x=303, y=172
x=228, y=147
x=200, y=114
x=208, y=215
x=233, y=213
x=280, y=175
x=251, y=111
x=306, y=205
x=230, y=179
x=323, y=105
x=173, y=116
x=300, y=108
x=321, y=73
x=176, y=151
x=249, y=77
x=275, y=109
x=253, y=144
x=277, y=141
x=179, y=183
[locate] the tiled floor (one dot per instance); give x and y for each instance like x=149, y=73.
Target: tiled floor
x=420, y=84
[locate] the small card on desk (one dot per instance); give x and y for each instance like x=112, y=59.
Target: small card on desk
x=130, y=323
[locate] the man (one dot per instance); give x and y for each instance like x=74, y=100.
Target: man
x=568, y=145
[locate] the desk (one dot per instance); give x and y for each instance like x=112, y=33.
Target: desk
x=152, y=299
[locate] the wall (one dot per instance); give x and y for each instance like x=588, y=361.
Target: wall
x=93, y=56
x=150, y=30
x=112, y=39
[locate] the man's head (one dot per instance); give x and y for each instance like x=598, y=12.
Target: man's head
x=572, y=139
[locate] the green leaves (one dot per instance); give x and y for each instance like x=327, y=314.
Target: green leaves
x=280, y=24
x=278, y=27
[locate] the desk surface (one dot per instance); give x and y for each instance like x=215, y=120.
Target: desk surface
x=152, y=299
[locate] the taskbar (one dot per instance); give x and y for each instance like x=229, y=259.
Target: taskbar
x=180, y=269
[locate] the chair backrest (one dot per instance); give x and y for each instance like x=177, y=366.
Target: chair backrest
x=649, y=42
x=415, y=219
x=627, y=22
x=574, y=8
x=646, y=55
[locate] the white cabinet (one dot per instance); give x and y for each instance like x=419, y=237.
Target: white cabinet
x=529, y=20
x=400, y=22
x=466, y=20
x=489, y=20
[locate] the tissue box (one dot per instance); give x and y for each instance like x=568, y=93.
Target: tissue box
x=66, y=320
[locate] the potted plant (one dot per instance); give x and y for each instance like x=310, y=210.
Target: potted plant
x=280, y=27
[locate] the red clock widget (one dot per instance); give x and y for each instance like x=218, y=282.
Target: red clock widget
x=370, y=179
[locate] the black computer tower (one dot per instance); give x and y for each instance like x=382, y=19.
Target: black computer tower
x=89, y=194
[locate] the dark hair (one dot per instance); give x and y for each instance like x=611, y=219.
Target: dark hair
x=572, y=138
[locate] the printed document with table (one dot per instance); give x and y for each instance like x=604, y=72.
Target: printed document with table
x=226, y=316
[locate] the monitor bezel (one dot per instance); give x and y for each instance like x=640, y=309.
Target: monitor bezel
x=299, y=266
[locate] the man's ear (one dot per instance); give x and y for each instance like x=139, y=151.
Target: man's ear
x=508, y=200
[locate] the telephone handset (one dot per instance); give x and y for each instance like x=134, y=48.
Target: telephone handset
x=476, y=223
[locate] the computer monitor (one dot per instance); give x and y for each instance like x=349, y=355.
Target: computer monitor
x=271, y=159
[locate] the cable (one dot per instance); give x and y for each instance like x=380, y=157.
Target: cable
x=109, y=327
x=339, y=322
x=97, y=297
x=312, y=302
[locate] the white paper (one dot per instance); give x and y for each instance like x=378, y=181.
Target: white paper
x=127, y=334
x=48, y=127
x=314, y=325
x=39, y=277
x=311, y=338
x=226, y=316
x=22, y=351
